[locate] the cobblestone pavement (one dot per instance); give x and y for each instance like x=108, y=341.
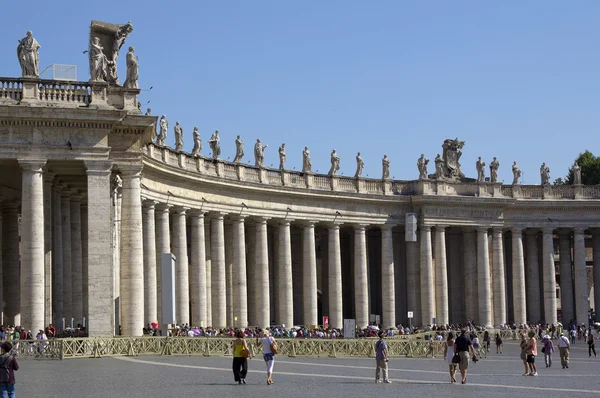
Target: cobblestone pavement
x=496, y=376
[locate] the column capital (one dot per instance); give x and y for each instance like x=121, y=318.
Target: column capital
x=149, y=203
x=516, y=230
x=260, y=219
x=181, y=210
x=163, y=207
x=497, y=230
x=482, y=229
x=32, y=165
x=547, y=230
x=49, y=177
x=76, y=196
x=12, y=205
x=238, y=217
x=307, y=223
x=98, y=167
x=360, y=227
x=333, y=225
x=531, y=231
x=130, y=170
x=216, y=215
x=426, y=228
x=440, y=228
x=387, y=227
x=196, y=213
x=578, y=230
x=284, y=221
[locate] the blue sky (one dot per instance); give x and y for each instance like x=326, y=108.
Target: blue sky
x=519, y=80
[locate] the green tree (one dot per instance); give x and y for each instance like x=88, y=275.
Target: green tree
x=590, y=169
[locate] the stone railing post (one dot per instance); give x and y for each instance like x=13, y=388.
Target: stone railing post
x=262, y=175
x=31, y=89
x=239, y=169
x=333, y=182
x=387, y=186
x=578, y=191
x=360, y=185
x=181, y=158
x=308, y=178
x=219, y=168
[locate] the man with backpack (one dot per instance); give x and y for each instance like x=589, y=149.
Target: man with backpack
x=8, y=365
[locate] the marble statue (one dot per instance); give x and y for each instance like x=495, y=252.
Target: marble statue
x=162, y=134
x=215, y=145
x=259, y=153
x=439, y=167
x=178, y=137
x=132, y=70
x=148, y=112
x=451, y=153
x=576, y=174
x=197, y=143
x=306, y=163
x=385, y=166
x=335, y=163
x=494, y=165
x=98, y=62
x=359, y=165
x=117, y=184
x=282, y=156
x=516, y=173
x=28, y=54
x=239, y=150
x=118, y=41
x=480, y=165
x=422, y=166
x=545, y=174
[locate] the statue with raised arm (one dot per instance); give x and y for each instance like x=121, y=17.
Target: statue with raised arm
x=132, y=70
x=516, y=173
x=178, y=137
x=98, y=62
x=118, y=41
x=28, y=54
x=282, y=156
x=239, y=150
x=360, y=164
x=385, y=167
x=422, y=166
x=259, y=153
x=494, y=165
x=545, y=174
x=335, y=163
x=576, y=174
x=197, y=143
x=306, y=163
x=162, y=133
x=480, y=165
x=215, y=144
x=439, y=167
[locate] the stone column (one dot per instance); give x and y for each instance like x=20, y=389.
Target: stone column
x=285, y=280
x=309, y=275
x=32, y=245
x=84, y=262
x=67, y=275
x=441, y=276
x=262, y=303
x=198, y=270
x=10, y=263
x=549, y=276
x=581, y=290
x=470, y=272
x=413, y=281
x=117, y=201
x=208, y=261
x=336, y=315
x=217, y=245
x=567, y=308
x=387, y=278
x=150, y=296
x=483, y=278
x=48, y=248
x=596, y=251
x=57, y=257
x=361, y=283
x=427, y=286
x=532, y=273
x=163, y=245
x=228, y=230
x=239, y=275
x=76, y=259
x=132, y=253
x=518, y=277
x=101, y=321
x=182, y=280
x=499, y=281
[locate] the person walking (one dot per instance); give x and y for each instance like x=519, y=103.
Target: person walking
x=381, y=358
x=564, y=348
x=532, y=353
x=523, y=346
x=449, y=356
x=241, y=354
x=8, y=365
x=591, y=345
x=548, y=350
x=498, y=344
x=269, y=351
x=463, y=346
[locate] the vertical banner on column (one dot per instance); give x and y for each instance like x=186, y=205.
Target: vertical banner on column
x=169, y=315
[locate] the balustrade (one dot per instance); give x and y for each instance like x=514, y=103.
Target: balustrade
x=229, y=171
x=11, y=89
x=251, y=174
x=322, y=182
x=61, y=91
x=347, y=184
x=274, y=177
x=374, y=186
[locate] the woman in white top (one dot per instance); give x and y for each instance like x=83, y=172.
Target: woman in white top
x=268, y=355
x=448, y=355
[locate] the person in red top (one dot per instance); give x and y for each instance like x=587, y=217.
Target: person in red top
x=532, y=353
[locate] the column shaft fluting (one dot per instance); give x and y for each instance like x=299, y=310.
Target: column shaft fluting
x=262, y=304
x=217, y=245
x=239, y=277
x=532, y=277
x=483, y=279
x=132, y=254
x=76, y=260
x=67, y=276
x=182, y=281
x=309, y=275
x=387, y=278
x=198, y=270
x=32, y=245
x=48, y=248
x=549, y=277
x=150, y=296
x=518, y=277
x=285, y=280
x=427, y=286
x=163, y=246
x=567, y=307
x=581, y=290
x=57, y=258
x=336, y=318
x=470, y=273
x=441, y=277
x=499, y=281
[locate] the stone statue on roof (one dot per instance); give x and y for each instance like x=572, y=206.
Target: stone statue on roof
x=282, y=156
x=335, y=163
x=239, y=149
x=163, y=126
x=215, y=144
x=360, y=164
x=385, y=167
x=178, y=137
x=197, y=143
x=28, y=54
x=108, y=39
x=306, y=162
